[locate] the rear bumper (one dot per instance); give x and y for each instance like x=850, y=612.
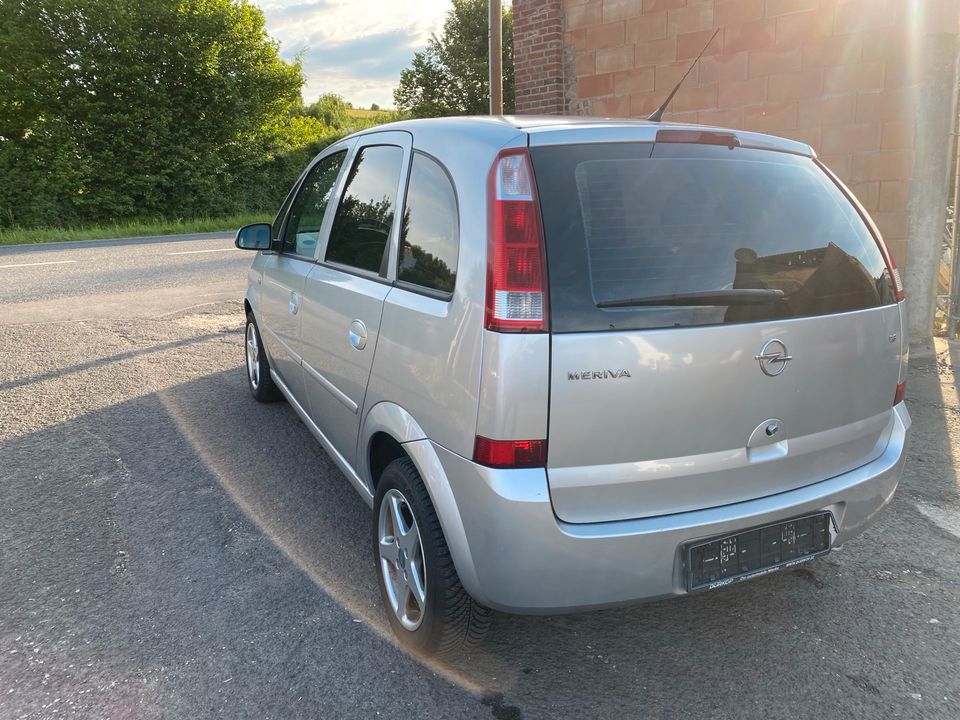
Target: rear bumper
x=513, y=554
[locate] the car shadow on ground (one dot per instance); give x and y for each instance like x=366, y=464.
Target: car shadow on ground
x=144, y=523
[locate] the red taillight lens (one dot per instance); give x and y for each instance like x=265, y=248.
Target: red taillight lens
x=516, y=277
x=900, y=393
x=510, y=453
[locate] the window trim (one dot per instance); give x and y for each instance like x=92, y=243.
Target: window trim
x=396, y=138
x=325, y=226
x=444, y=295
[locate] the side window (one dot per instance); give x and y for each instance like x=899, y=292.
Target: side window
x=306, y=216
x=429, y=235
x=362, y=224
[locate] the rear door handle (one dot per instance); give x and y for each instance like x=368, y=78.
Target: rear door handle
x=358, y=334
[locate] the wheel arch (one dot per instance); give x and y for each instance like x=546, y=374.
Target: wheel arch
x=388, y=429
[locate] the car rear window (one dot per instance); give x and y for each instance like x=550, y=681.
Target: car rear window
x=652, y=222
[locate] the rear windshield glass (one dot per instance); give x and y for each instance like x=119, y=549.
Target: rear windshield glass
x=647, y=236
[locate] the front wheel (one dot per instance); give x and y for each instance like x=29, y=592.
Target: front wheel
x=428, y=608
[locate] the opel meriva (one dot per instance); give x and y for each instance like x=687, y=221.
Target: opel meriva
x=572, y=363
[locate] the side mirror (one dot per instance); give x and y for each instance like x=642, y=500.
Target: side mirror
x=254, y=237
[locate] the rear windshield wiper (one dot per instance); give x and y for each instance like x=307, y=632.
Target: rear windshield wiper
x=706, y=297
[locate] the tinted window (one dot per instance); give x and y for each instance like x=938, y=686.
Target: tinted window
x=362, y=224
x=644, y=221
x=306, y=216
x=429, y=236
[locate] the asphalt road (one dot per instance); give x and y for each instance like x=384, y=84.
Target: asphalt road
x=169, y=548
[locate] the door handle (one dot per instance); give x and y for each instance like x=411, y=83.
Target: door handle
x=294, y=302
x=358, y=334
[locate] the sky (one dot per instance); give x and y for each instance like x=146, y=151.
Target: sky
x=354, y=48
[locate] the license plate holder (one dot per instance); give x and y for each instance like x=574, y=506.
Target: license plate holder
x=738, y=556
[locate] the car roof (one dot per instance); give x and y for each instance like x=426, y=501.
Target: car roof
x=568, y=129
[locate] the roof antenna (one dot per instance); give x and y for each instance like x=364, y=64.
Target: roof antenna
x=657, y=114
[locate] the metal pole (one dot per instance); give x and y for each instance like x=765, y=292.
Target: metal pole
x=953, y=312
x=496, y=58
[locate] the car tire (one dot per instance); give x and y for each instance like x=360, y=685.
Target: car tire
x=449, y=620
x=259, y=379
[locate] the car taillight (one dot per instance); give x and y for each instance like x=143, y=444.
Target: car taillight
x=510, y=453
x=901, y=393
x=516, y=263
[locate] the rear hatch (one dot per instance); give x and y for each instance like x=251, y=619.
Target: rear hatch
x=724, y=326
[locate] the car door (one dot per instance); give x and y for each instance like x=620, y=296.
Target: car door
x=344, y=293
x=286, y=269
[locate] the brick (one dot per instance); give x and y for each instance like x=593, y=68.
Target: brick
x=631, y=82
x=656, y=52
x=577, y=39
x=595, y=85
x=774, y=62
x=894, y=195
x=618, y=106
x=621, y=9
x=742, y=92
x=723, y=68
x=853, y=78
x=772, y=8
x=868, y=194
x=839, y=139
x=811, y=26
x=725, y=117
x=647, y=27
x=604, y=36
x=688, y=116
x=889, y=165
x=867, y=15
x=696, y=15
x=770, y=117
x=690, y=44
x=586, y=63
x=756, y=35
x=842, y=49
x=897, y=135
x=694, y=98
x=614, y=59
x=825, y=111
x=734, y=12
x=886, y=105
x=666, y=76
x=840, y=164
x=581, y=16
x=891, y=224
x=651, y=5
x=642, y=104
x=795, y=86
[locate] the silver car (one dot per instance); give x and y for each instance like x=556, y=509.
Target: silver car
x=572, y=363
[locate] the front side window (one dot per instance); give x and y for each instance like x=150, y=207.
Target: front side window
x=429, y=235
x=306, y=216
x=364, y=218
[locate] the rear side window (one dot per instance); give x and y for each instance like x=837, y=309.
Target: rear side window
x=429, y=235
x=364, y=218
x=682, y=228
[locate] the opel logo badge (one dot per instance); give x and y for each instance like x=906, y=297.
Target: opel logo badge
x=773, y=357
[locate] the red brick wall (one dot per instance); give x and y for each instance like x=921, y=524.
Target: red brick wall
x=538, y=57
x=840, y=75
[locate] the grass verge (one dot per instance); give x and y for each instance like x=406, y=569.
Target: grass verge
x=136, y=228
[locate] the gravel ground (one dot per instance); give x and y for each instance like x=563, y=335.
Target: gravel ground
x=169, y=548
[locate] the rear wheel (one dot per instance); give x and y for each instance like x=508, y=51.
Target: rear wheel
x=428, y=608
x=259, y=380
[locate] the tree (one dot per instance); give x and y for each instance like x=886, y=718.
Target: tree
x=331, y=110
x=111, y=109
x=374, y=107
x=451, y=76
